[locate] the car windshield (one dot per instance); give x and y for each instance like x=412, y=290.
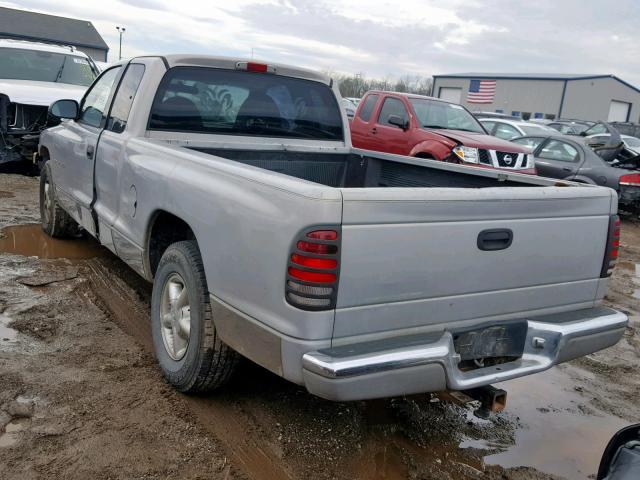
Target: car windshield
x=535, y=129
x=22, y=64
x=230, y=102
x=436, y=114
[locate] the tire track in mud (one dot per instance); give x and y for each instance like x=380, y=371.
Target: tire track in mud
x=125, y=298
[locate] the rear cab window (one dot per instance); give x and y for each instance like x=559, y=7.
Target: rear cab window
x=367, y=108
x=228, y=102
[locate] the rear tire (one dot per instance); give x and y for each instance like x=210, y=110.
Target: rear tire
x=190, y=353
x=55, y=221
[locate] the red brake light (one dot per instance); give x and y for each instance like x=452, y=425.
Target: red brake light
x=631, y=179
x=323, y=235
x=313, y=277
x=319, y=263
x=312, y=271
x=317, y=248
x=257, y=67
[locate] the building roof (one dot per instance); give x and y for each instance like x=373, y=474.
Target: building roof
x=49, y=28
x=526, y=76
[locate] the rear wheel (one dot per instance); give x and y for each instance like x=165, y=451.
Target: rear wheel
x=188, y=349
x=55, y=221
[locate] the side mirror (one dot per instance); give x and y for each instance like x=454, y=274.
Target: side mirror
x=398, y=121
x=68, y=109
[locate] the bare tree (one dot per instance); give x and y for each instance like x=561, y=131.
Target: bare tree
x=356, y=85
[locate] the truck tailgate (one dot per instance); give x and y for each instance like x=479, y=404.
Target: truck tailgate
x=412, y=258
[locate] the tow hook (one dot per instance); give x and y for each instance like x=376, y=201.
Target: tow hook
x=492, y=400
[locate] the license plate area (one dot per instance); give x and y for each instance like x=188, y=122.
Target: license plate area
x=490, y=345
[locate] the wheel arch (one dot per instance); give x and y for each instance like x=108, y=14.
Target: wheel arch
x=163, y=229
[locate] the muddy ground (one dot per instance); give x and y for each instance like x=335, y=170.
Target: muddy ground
x=81, y=396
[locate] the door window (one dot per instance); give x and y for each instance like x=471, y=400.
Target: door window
x=506, y=132
x=124, y=98
x=94, y=106
x=560, y=151
x=392, y=106
x=530, y=142
x=367, y=108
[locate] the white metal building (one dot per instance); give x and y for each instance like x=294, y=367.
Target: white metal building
x=586, y=97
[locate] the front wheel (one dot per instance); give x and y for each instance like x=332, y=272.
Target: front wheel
x=190, y=353
x=55, y=221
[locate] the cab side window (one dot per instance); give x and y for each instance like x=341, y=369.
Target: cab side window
x=124, y=98
x=392, y=106
x=95, y=105
x=560, y=151
x=367, y=108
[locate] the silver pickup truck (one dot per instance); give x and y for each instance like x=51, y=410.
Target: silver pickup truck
x=234, y=188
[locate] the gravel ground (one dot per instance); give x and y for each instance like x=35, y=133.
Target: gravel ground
x=81, y=396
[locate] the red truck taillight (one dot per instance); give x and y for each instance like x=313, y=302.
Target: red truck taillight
x=613, y=247
x=313, y=270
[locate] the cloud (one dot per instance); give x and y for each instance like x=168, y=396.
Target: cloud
x=382, y=38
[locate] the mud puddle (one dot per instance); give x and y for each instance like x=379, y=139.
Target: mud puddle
x=8, y=336
x=559, y=432
x=12, y=430
x=29, y=240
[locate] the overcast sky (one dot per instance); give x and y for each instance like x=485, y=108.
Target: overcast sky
x=378, y=38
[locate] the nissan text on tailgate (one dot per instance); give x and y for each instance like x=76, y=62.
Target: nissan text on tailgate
x=426, y=127
x=232, y=185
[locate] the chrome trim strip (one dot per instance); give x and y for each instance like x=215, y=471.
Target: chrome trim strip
x=544, y=344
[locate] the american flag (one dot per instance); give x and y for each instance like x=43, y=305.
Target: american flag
x=481, y=91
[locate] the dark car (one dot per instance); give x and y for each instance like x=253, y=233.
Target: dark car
x=572, y=157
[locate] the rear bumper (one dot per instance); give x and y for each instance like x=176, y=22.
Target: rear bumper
x=428, y=363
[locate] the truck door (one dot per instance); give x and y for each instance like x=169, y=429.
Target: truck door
x=75, y=157
x=388, y=137
x=116, y=195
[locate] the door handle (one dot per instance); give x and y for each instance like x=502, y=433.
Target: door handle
x=496, y=239
x=90, y=151
x=374, y=130
x=567, y=169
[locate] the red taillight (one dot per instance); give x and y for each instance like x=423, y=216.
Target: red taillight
x=317, y=248
x=613, y=247
x=631, y=179
x=320, y=263
x=312, y=273
x=323, y=235
x=312, y=277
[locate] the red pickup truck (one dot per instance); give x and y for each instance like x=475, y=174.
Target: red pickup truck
x=427, y=127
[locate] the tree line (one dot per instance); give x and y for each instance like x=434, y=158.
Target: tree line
x=356, y=85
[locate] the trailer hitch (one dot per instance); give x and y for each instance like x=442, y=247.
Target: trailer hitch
x=492, y=400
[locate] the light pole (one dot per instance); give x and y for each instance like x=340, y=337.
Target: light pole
x=121, y=30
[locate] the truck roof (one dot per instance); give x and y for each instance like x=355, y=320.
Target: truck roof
x=230, y=63
x=42, y=47
x=405, y=94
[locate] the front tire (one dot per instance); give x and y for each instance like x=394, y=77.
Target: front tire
x=190, y=353
x=55, y=221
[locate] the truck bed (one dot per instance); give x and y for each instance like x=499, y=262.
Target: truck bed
x=362, y=170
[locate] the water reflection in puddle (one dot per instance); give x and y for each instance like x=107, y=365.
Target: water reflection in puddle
x=30, y=240
x=12, y=431
x=558, y=433
x=8, y=336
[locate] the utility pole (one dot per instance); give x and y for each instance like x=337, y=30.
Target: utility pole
x=121, y=30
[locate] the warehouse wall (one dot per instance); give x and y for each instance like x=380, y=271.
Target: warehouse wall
x=542, y=96
x=97, y=55
x=590, y=99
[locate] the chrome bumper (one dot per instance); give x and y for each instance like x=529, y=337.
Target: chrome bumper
x=398, y=367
